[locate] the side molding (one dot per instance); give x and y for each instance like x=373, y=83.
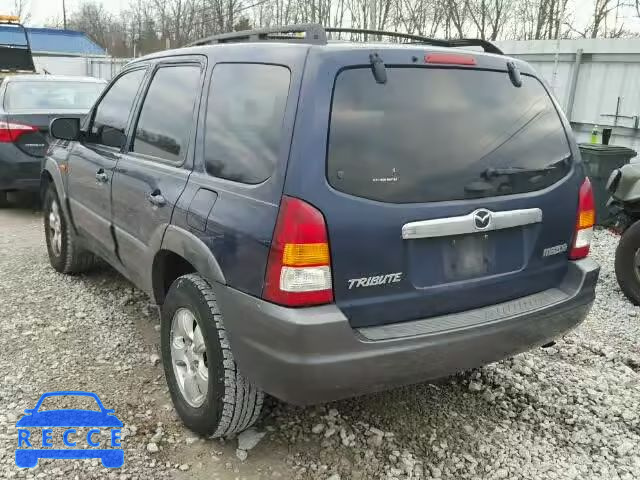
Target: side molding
x=192, y=249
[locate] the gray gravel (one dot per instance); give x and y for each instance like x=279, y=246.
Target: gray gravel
x=571, y=411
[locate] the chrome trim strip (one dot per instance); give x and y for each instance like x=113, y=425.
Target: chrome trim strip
x=465, y=224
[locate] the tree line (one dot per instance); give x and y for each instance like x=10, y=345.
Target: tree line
x=150, y=25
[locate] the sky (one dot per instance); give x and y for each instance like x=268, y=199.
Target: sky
x=43, y=10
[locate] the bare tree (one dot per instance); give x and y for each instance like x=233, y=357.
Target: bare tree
x=488, y=16
x=604, y=22
x=149, y=25
x=21, y=9
x=93, y=19
x=456, y=16
x=603, y=9
x=421, y=17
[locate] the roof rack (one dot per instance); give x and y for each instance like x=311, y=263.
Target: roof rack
x=317, y=35
x=302, y=33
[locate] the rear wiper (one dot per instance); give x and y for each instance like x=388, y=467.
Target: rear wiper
x=492, y=172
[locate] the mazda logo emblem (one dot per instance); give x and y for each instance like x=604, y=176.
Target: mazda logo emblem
x=482, y=219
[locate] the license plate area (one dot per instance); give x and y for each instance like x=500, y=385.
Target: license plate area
x=467, y=256
x=442, y=260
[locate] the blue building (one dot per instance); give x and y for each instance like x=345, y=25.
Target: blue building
x=63, y=52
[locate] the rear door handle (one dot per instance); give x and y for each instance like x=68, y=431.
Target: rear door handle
x=101, y=176
x=156, y=199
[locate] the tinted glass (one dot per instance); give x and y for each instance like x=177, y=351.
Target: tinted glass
x=110, y=120
x=166, y=115
x=12, y=58
x=244, y=121
x=54, y=95
x=442, y=134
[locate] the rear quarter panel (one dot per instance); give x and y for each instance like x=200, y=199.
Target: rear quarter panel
x=239, y=224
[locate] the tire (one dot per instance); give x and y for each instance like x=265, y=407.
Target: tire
x=627, y=266
x=65, y=255
x=229, y=403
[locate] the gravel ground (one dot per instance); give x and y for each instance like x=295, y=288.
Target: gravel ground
x=570, y=411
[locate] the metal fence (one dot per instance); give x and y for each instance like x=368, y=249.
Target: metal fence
x=105, y=68
x=597, y=82
x=100, y=67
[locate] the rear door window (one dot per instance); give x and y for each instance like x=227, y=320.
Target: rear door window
x=244, y=120
x=436, y=134
x=165, y=119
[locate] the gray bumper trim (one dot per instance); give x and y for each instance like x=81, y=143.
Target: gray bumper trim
x=471, y=318
x=313, y=355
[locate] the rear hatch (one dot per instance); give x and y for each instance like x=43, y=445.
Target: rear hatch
x=444, y=189
x=31, y=105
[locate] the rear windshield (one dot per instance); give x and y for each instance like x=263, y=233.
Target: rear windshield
x=16, y=59
x=435, y=134
x=54, y=95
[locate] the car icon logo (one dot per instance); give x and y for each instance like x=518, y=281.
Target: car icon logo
x=32, y=448
x=482, y=219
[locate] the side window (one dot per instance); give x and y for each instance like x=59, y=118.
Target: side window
x=110, y=120
x=244, y=120
x=167, y=112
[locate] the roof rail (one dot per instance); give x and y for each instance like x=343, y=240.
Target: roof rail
x=317, y=35
x=302, y=33
x=462, y=42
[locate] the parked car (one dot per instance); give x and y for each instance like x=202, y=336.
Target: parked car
x=320, y=220
x=27, y=104
x=624, y=186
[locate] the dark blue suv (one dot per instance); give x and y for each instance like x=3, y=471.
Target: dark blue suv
x=324, y=219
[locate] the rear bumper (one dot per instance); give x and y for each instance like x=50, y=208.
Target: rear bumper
x=313, y=355
x=18, y=171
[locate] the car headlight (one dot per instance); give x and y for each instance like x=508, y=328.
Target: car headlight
x=614, y=181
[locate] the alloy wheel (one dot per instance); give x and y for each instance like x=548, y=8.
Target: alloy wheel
x=189, y=357
x=55, y=229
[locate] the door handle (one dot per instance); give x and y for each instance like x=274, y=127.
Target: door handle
x=101, y=176
x=156, y=199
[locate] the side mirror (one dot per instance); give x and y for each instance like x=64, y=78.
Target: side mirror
x=65, y=128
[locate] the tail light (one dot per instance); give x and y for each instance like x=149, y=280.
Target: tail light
x=10, y=132
x=299, y=267
x=584, y=225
